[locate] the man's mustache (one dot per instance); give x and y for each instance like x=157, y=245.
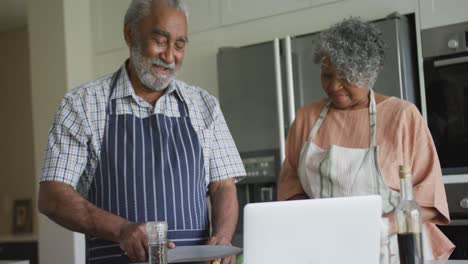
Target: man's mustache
x=161, y=63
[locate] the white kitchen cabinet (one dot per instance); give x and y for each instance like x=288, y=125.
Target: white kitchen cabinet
x=203, y=15
x=235, y=11
x=435, y=13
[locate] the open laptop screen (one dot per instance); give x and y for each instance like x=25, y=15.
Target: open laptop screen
x=318, y=231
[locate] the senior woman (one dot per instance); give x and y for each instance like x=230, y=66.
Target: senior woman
x=354, y=140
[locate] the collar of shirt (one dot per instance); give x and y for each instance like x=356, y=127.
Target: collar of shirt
x=124, y=88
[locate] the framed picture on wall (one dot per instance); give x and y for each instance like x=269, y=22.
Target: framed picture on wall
x=22, y=216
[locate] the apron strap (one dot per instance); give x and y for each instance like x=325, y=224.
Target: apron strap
x=319, y=121
x=372, y=118
x=115, y=77
x=183, y=108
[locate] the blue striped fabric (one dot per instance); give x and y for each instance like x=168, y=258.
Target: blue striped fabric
x=166, y=156
x=146, y=173
x=76, y=134
x=141, y=162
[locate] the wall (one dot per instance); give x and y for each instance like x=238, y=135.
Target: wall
x=109, y=48
x=60, y=49
x=200, y=65
x=212, y=26
x=436, y=13
x=16, y=153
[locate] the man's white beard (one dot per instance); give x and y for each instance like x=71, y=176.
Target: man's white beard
x=147, y=77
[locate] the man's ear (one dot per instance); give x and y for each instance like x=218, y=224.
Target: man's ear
x=128, y=35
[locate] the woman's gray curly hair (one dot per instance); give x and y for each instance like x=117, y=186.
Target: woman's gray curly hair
x=139, y=9
x=356, y=48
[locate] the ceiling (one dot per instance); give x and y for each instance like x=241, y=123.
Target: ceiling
x=13, y=14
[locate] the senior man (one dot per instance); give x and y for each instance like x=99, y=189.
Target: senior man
x=138, y=146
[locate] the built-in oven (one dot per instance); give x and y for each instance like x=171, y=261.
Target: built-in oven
x=262, y=167
x=457, y=230
x=445, y=52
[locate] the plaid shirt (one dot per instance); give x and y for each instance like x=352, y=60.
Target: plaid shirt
x=77, y=131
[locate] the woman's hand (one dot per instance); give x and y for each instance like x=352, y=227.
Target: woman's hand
x=428, y=215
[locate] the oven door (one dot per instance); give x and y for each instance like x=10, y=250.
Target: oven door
x=457, y=230
x=446, y=79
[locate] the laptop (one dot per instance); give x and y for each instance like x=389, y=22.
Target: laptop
x=315, y=231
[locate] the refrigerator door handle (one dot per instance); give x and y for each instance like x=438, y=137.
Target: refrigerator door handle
x=289, y=80
x=279, y=97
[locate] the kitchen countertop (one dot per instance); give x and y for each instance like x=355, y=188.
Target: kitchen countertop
x=425, y=262
x=18, y=238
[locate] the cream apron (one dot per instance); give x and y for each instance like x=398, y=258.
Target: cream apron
x=340, y=171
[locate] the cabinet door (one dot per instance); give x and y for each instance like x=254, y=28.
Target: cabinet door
x=435, y=13
x=203, y=15
x=235, y=11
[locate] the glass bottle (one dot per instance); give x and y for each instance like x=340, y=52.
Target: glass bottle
x=409, y=222
x=157, y=242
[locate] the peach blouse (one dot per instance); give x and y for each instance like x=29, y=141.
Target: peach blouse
x=401, y=134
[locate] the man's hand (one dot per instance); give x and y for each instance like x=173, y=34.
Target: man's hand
x=134, y=241
x=222, y=241
x=223, y=197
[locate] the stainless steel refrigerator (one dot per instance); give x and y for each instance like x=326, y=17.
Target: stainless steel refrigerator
x=261, y=87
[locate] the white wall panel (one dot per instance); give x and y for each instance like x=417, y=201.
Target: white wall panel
x=78, y=41
x=306, y=20
x=235, y=11
x=107, y=26
x=109, y=62
x=203, y=14
x=262, y=20
x=108, y=19
x=60, y=57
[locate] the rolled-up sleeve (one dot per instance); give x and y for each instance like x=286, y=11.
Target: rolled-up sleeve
x=428, y=185
x=66, y=151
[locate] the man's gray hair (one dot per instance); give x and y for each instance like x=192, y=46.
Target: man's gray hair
x=356, y=48
x=139, y=9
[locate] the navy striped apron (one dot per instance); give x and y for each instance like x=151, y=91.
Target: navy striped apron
x=150, y=169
